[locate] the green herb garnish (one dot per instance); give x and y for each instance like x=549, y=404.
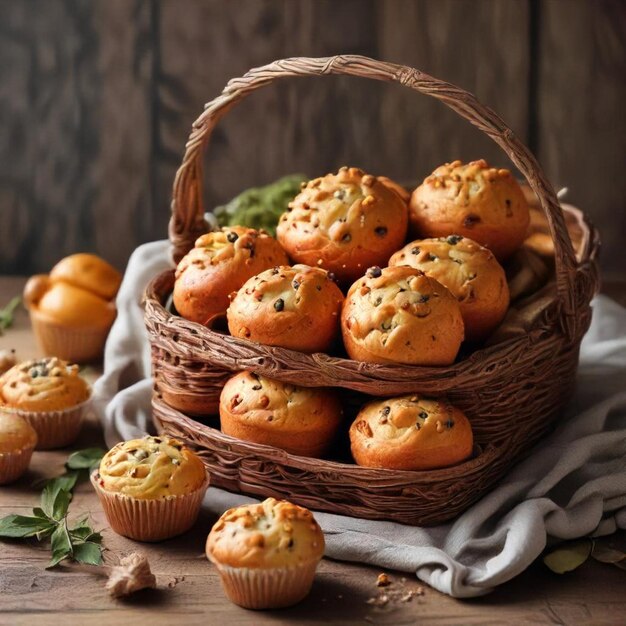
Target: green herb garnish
x=79, y=541
x=6, y=314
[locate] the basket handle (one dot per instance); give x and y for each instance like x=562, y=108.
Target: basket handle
x=187, y=220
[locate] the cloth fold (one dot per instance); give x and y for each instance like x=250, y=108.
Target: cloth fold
x=572, y=484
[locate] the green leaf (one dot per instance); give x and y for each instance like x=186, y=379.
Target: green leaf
x=17, y=526
x=60, y=545
x=6, y=314
x=85, y=459
x=55, y=499
x=88, y=553
x=568, y=556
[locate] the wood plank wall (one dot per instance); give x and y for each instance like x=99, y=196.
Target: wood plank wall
x=97, y=98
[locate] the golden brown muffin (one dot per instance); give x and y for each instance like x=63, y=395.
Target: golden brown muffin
x=50, y=395
x=410, y=433
x=293, y=307
x=17, y=442
x=483, y=203
x=399, y=314
x=73, y=308
x=48, y=384
x=219, y=264
x=344, y=222
x=469, y=271
x=150, y=488
x=300, y=420
x=267, y=553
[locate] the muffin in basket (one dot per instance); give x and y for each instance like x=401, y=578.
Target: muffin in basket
x=294, y=307
x=266, y=554
x=470, y=272
x=151, y=488
x=72, y=308
x=218, y=264
x=483, y=203
x=300, y=420
x=344, y=222
x=50, y=395
x=17, y=442
x=410, y=433
x=398, y=314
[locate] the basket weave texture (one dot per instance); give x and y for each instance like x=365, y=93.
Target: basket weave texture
x=512, y=392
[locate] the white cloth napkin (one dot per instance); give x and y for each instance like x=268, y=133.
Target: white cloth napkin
x=573, y=483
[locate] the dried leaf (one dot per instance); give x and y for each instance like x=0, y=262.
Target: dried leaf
x=568, y=556
x=606, y=554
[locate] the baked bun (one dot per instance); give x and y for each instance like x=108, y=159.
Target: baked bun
x=293, y=307
x=470, y=272
x=344, y=222
x=410, y=433
x=400, y=314
x=220, y=262
x=88, y=272
x=300, y=420
x=483, y=203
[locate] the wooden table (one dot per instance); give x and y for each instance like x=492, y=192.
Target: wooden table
x=189, y=590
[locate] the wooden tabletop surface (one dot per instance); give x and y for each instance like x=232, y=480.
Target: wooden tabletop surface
x=188, y=586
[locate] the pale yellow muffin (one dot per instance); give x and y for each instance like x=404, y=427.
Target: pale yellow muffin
x=475, y=200
x=398, y=314
x=17, y=442
x=150, y=488
x=344, y=223
x=471, y=273
x=410, y=433
x=266, y=553
x=300, y=420
x=50, y=395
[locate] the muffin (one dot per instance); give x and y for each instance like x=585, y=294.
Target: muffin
x=470, y=272
x=266, y=554
x=300, y=420
x=400, y=315
x=150, y=489
x=50, y=395
x=293, y=307
x=219, y=263
x=17, y=442
x=483, y=203
x=410, y=433
x=72, y=308
x=344, y=222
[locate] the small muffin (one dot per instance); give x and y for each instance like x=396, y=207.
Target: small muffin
x=151, y=488
x=344, y=222
x=399, y=314
x=293, y=307
x=266, y=554
x=72, y=308
x=17, y=442
x=300, y=420
x=470, y=272
x=483, y=203
x=410, y=433
x=219, y=264
x=50, y=395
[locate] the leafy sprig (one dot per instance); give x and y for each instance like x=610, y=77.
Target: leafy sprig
x=6, y=314
x=78, y=541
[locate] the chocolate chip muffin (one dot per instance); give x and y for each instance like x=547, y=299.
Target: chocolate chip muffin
x=344, y=223
x=398, y=314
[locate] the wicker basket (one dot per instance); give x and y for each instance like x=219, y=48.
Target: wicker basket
x=512, y=392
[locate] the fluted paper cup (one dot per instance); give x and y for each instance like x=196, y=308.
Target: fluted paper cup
x=150, y=520
x=14, y=464
x=267, y=588
x=55, y=429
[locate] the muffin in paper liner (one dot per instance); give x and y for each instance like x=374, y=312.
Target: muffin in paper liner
x=78, y=345
x=267, y=588
x=153, y=519
x=14, y=464
x=55, y=429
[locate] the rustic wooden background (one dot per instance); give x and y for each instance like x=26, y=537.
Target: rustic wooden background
x=97, y=98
